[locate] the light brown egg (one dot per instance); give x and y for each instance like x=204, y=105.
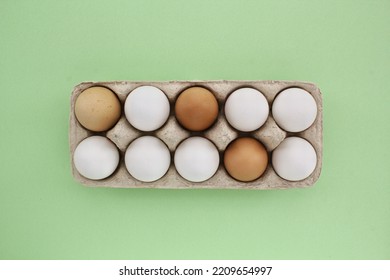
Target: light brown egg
x=245, y=159
x=97, y=109
x=196, y=108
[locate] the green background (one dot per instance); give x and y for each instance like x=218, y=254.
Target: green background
x=47, y=47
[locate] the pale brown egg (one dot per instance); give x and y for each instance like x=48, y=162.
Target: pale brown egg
x=196, y=108
x=97, y=109
x=245, y=159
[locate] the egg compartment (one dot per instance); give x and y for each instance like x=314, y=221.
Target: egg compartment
x=220, y=133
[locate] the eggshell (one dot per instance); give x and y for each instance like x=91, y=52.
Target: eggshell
x=246, y=109
x=294, y=159
x=147, y=108
x=96, y=157
x=196, y=159
x=147, y=158
x=245, y=159
x=97, y=108
x=196, y=108
x=294, y=109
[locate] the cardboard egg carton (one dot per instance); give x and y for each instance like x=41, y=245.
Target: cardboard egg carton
x=221, y=134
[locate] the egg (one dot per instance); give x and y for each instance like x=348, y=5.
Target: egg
x=196, y=159
x=147, y=158
x=96, y=157
x=245, y=159
x=246, y=109
x=294, y=109
x=196, y=108
x=97, y=109
x=147, y=108
x=294, y=159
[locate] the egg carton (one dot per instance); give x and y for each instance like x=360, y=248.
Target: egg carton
x=221, y=134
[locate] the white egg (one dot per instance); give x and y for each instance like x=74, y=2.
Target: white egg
x=294, y=159
x=294, y=109
x=147, y=108
x=246, y=109
x=196, y=159
x=147, y=159
x=96, y=157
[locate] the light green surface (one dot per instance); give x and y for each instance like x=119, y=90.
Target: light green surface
x=47, y=47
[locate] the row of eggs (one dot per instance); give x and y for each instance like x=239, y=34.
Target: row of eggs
x=196, y=159
x=147, y=108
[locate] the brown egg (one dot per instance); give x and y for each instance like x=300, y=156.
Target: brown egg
x=97, y=109
x=245, y=159
x=196, y=108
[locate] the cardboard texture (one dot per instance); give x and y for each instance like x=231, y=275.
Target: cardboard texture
x=221, y=134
